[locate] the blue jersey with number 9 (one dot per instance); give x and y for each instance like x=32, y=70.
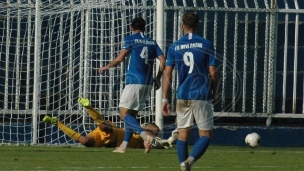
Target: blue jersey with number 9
x=192, y=55
x=143, y=52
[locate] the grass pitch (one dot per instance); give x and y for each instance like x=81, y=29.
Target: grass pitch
x=217, y=158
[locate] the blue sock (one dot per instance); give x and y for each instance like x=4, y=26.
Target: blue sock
x=128, y=133
x=182, y=150
x=132, y=124
x=200, y=147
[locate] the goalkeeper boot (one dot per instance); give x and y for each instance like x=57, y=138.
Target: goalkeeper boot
x=52, y=120
x=84, y=101
x=185, y=166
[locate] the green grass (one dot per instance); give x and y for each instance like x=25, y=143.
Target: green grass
x=217, y=158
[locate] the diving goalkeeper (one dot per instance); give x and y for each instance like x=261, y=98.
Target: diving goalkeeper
x=106, y=134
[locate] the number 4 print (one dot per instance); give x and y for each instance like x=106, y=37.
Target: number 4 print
x=144, y=54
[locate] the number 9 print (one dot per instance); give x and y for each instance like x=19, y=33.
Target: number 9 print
x=188, y=60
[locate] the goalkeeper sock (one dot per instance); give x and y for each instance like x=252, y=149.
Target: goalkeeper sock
x=95, y=115
x=133, y=124
x=68, y=131
x=200, y=147
x=182, y=150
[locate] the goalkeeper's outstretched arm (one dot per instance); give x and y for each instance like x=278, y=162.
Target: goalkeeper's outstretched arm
x=166, y=143
x=173, y=137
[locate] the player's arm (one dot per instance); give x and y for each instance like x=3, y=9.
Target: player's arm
x=213, y=73
x=120, y=57
x=166, y=84
x=159, y=74
x=214, y=81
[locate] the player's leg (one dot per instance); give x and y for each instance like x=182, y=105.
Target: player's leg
x=132, y=100
x=184, y=120
x=120, y=147
x=129, y=117
x=182, y=148
x=200, y=145
x=133, y=125
x=126, y=139
x=182, y=143
x=95, y=115
x=204, y=117
x=136, y=141
x=199, y=148
x=129, y=124
x=68, y=131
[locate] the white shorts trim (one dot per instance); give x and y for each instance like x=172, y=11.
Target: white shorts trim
x=134, y=96
x=200, y=110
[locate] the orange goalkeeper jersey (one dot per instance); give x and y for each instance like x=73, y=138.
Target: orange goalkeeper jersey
x=115, y=138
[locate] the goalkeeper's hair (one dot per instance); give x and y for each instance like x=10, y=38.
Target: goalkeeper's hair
x=138, y=23
x=107, y=126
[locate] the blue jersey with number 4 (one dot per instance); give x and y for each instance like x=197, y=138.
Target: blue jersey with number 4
x=143, y=52
x=192, y=55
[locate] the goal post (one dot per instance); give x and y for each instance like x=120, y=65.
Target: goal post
x=159, y=119
x=37, y=57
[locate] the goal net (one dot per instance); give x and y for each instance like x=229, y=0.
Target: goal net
x=50, y=57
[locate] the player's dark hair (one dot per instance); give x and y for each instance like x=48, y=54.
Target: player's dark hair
x=138, y=24
x=191, y=21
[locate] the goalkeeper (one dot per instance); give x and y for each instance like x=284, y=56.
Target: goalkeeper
x=106, y=134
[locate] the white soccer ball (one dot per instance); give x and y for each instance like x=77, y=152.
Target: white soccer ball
x=253, y=140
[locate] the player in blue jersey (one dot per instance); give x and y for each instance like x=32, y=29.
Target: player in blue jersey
x=142, y=52
x=194, y=58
